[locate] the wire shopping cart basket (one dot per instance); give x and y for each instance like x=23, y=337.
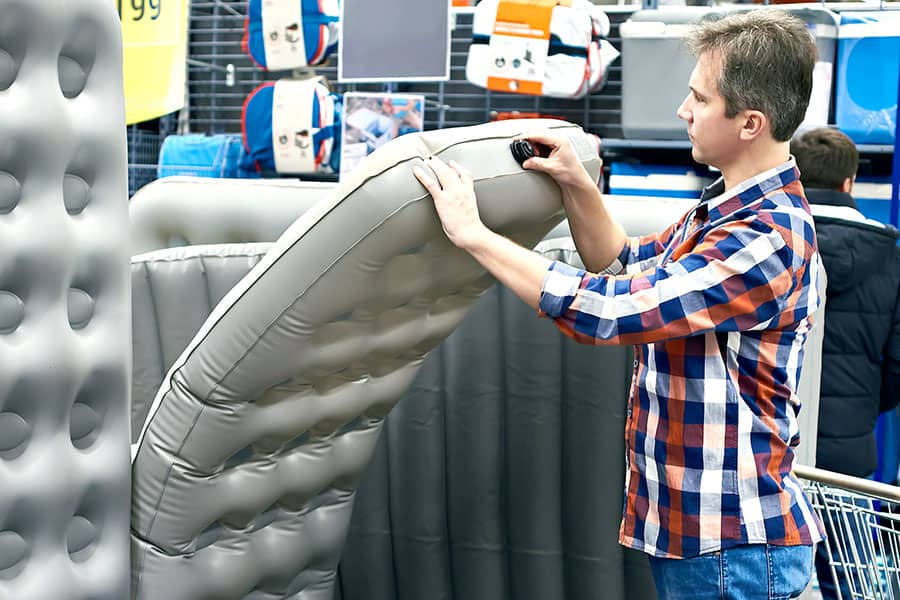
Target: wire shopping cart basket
x=862, y=519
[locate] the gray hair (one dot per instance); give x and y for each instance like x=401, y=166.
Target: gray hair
x=767, y=60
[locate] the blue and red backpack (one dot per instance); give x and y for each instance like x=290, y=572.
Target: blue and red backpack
x=319, y=27
x=324, y=124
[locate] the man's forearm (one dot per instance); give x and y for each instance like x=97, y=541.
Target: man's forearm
x=514, y=266
x=598, y=237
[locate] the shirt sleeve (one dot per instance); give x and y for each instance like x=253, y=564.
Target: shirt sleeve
x=639, y=253
x=738, y=277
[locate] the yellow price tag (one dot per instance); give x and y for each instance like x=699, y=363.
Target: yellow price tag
x=154, y=40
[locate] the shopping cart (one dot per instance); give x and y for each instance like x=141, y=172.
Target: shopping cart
x=862, y=518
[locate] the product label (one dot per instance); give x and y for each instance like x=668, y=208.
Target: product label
x=292, y=129
x=154, y=45
x=519, y=46
x=282, y=23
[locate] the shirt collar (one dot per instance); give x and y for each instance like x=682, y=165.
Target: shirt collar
x=721, y=202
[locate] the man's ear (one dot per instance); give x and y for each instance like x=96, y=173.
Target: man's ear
x=847, y=185
x=753, y=125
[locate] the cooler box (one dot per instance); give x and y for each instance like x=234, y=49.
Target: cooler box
x=656, y=67
x=666, y=181
x=201, y=156
x=868, y=68
x=873, y=197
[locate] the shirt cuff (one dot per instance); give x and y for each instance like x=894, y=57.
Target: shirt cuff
x=617, y=266
x=561, y=283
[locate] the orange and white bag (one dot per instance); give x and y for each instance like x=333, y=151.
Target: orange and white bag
x=540, y=47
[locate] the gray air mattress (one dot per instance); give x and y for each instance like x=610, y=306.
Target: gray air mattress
x=248, y=461
x=64, y=304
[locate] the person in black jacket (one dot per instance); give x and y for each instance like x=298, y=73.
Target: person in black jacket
x=861, y=350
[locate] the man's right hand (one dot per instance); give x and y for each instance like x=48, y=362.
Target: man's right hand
x=598, y=238
x=555, y=156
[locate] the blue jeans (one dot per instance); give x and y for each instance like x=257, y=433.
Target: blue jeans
x=751, y=572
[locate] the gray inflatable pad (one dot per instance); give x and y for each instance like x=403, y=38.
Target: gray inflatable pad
x=64, y=307
x=173, y=291
x=245, y=470
x=190, y=211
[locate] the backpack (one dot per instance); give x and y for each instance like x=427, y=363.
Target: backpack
x=291, y=127
x=540, y=47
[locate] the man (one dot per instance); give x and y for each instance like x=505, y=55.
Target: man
x=861, y=350
x=718, y=306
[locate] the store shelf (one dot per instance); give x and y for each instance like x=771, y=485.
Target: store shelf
x=623, y=144
x=217, y=28
x=875, y=148
x=215, y=104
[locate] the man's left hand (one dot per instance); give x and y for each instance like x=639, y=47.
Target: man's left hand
x=454, y=199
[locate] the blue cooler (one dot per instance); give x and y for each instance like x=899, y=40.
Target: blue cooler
x=867, y=75
x=665, y=181
x=201, y=155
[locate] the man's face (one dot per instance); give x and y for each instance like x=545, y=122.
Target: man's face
x=714, y=137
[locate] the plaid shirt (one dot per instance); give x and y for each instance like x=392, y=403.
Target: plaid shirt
x=718, y=307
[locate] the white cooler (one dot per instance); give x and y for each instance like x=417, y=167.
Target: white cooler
x=656, y=67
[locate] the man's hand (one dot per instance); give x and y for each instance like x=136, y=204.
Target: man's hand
x=556, y=157
x=518, y=268
x=454, y=199
x=597, y=236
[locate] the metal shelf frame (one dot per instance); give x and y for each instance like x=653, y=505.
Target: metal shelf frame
x=220, y=76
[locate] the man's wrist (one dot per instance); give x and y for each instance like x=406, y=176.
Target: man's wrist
x=475, y=237
x=582, y=189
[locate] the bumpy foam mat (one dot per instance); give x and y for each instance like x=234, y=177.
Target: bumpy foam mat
x=248, y=461
x=64, y=329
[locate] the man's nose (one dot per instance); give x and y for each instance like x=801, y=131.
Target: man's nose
x=683, y=112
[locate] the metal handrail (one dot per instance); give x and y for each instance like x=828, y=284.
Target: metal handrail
x=875, y=489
